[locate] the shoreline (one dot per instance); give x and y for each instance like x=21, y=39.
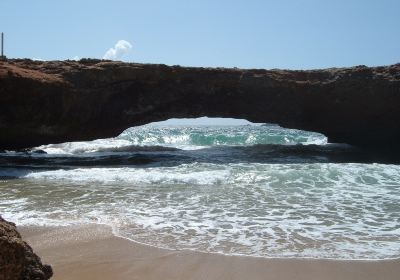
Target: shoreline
x=94, y=252
x=251, y=256
x=228, y=255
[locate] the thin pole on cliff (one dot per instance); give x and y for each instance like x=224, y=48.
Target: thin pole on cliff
x=2, y=44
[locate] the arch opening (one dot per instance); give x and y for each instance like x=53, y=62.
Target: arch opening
x=191, y=134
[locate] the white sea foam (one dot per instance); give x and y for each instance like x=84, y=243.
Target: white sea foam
x=183, y=175
x=83, y=147
x=347, y=211
x=191, y=138
x=236, y=205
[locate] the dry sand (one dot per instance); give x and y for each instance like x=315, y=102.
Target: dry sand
x=93, y=252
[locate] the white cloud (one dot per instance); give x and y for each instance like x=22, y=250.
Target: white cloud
x=37, y=59
x=121, y=48
x=76, y=58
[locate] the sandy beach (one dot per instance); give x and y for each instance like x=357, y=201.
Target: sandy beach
x=93, y=252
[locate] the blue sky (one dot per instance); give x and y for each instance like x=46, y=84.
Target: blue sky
x=297, y=34
x=204, y=121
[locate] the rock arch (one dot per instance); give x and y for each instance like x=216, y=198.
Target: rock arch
x=59, y=101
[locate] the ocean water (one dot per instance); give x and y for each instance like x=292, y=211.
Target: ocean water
x=255, y=190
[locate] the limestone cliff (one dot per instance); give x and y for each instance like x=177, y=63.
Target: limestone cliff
x=59, y=101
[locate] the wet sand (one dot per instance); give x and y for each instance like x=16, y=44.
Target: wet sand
x=93, y=252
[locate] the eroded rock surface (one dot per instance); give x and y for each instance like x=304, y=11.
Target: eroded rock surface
x=17, y=260
x=60, y=101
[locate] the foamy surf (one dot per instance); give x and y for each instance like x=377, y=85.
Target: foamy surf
x=190, y=138
x=246, y=190
x=341, y=211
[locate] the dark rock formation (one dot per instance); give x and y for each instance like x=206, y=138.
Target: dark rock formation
x=59, y=101
x=17, y=260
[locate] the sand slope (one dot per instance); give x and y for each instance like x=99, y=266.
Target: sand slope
x=93, y=252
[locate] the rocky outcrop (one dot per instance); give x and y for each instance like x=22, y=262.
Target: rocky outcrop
x=59, y=101
x=17, y=260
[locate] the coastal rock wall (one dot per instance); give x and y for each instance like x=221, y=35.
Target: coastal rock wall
x=60, y=101
x=17, y=260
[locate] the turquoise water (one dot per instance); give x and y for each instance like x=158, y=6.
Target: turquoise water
x=248, y=190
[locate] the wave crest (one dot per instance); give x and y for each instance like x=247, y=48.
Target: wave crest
x=188, y=138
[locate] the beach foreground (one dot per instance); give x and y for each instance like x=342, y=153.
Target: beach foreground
x=93, y=252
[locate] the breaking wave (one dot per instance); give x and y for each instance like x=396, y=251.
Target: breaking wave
x=189, y=138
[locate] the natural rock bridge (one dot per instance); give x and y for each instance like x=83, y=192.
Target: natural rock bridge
x=60, y=101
